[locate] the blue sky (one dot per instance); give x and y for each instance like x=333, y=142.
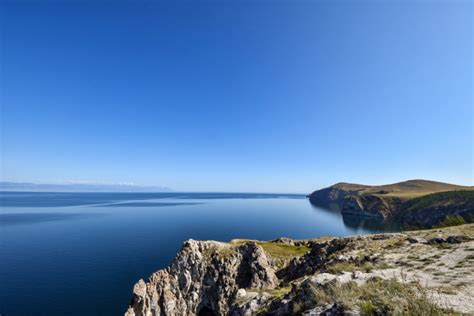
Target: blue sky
x=273, y=96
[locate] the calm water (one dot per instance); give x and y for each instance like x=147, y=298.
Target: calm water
x=81, y=253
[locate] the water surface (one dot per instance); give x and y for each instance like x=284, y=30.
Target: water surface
x=81, y=253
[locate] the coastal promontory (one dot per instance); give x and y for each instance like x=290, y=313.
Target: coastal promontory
x=415, y=203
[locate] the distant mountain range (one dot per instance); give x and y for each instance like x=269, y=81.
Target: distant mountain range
x=415, y=202
x=78, y=187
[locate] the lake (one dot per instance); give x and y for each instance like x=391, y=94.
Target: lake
x=81, y=253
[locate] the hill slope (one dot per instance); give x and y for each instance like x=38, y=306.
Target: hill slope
x=440, y=209
x=392, y=200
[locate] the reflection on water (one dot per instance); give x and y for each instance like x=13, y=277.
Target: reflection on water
x=359, y=223
x=58, y=199
x=333, y=212
x=56, y=245
x=29, y=218
x=145, y=204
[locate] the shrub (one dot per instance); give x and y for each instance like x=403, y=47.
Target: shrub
x=452, y=220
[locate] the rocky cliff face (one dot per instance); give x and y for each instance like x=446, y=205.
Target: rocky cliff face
x=333, y=196
x=329, y=276
x=370, y=206
x=205, y=276
x=359, y=200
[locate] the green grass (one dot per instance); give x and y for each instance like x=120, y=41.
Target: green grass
x=442, y=209
x=340, y=267
x=465, y=197
x=276, y=250
x=282, y=250
x=345, y=266
x=452, y=220
x=403, y=190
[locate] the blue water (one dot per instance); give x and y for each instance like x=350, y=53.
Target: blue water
x=81, y=253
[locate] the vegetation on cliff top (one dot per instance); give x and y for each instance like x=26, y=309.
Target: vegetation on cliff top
x=418, y=203
x=275, y=249
x=406, y=189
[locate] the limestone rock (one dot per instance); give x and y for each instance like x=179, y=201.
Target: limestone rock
x=247, y=277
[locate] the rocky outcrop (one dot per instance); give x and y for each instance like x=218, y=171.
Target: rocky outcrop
x=333, y=197
x=370, y=206
x=283, y=276
x=204, y=276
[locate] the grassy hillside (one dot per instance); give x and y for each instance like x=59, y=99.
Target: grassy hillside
x=394, y=200
x=406, y=190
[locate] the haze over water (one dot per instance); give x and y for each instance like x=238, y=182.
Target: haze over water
x=81, y=253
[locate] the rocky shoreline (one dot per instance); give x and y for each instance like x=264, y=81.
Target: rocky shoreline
x=432, y=270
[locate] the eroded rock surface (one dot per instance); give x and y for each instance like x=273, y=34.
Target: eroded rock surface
x=327, y=276
x=205, y=275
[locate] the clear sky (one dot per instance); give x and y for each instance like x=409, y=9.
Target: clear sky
x=269, y=96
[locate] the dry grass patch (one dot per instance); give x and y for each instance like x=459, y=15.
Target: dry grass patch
x=222, y=252
x=276, y=250
x=276, y=293
x=379, y=297
x=283, y=250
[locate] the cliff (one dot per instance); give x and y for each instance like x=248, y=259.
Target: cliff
x=395, y=201
x=431, y=272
